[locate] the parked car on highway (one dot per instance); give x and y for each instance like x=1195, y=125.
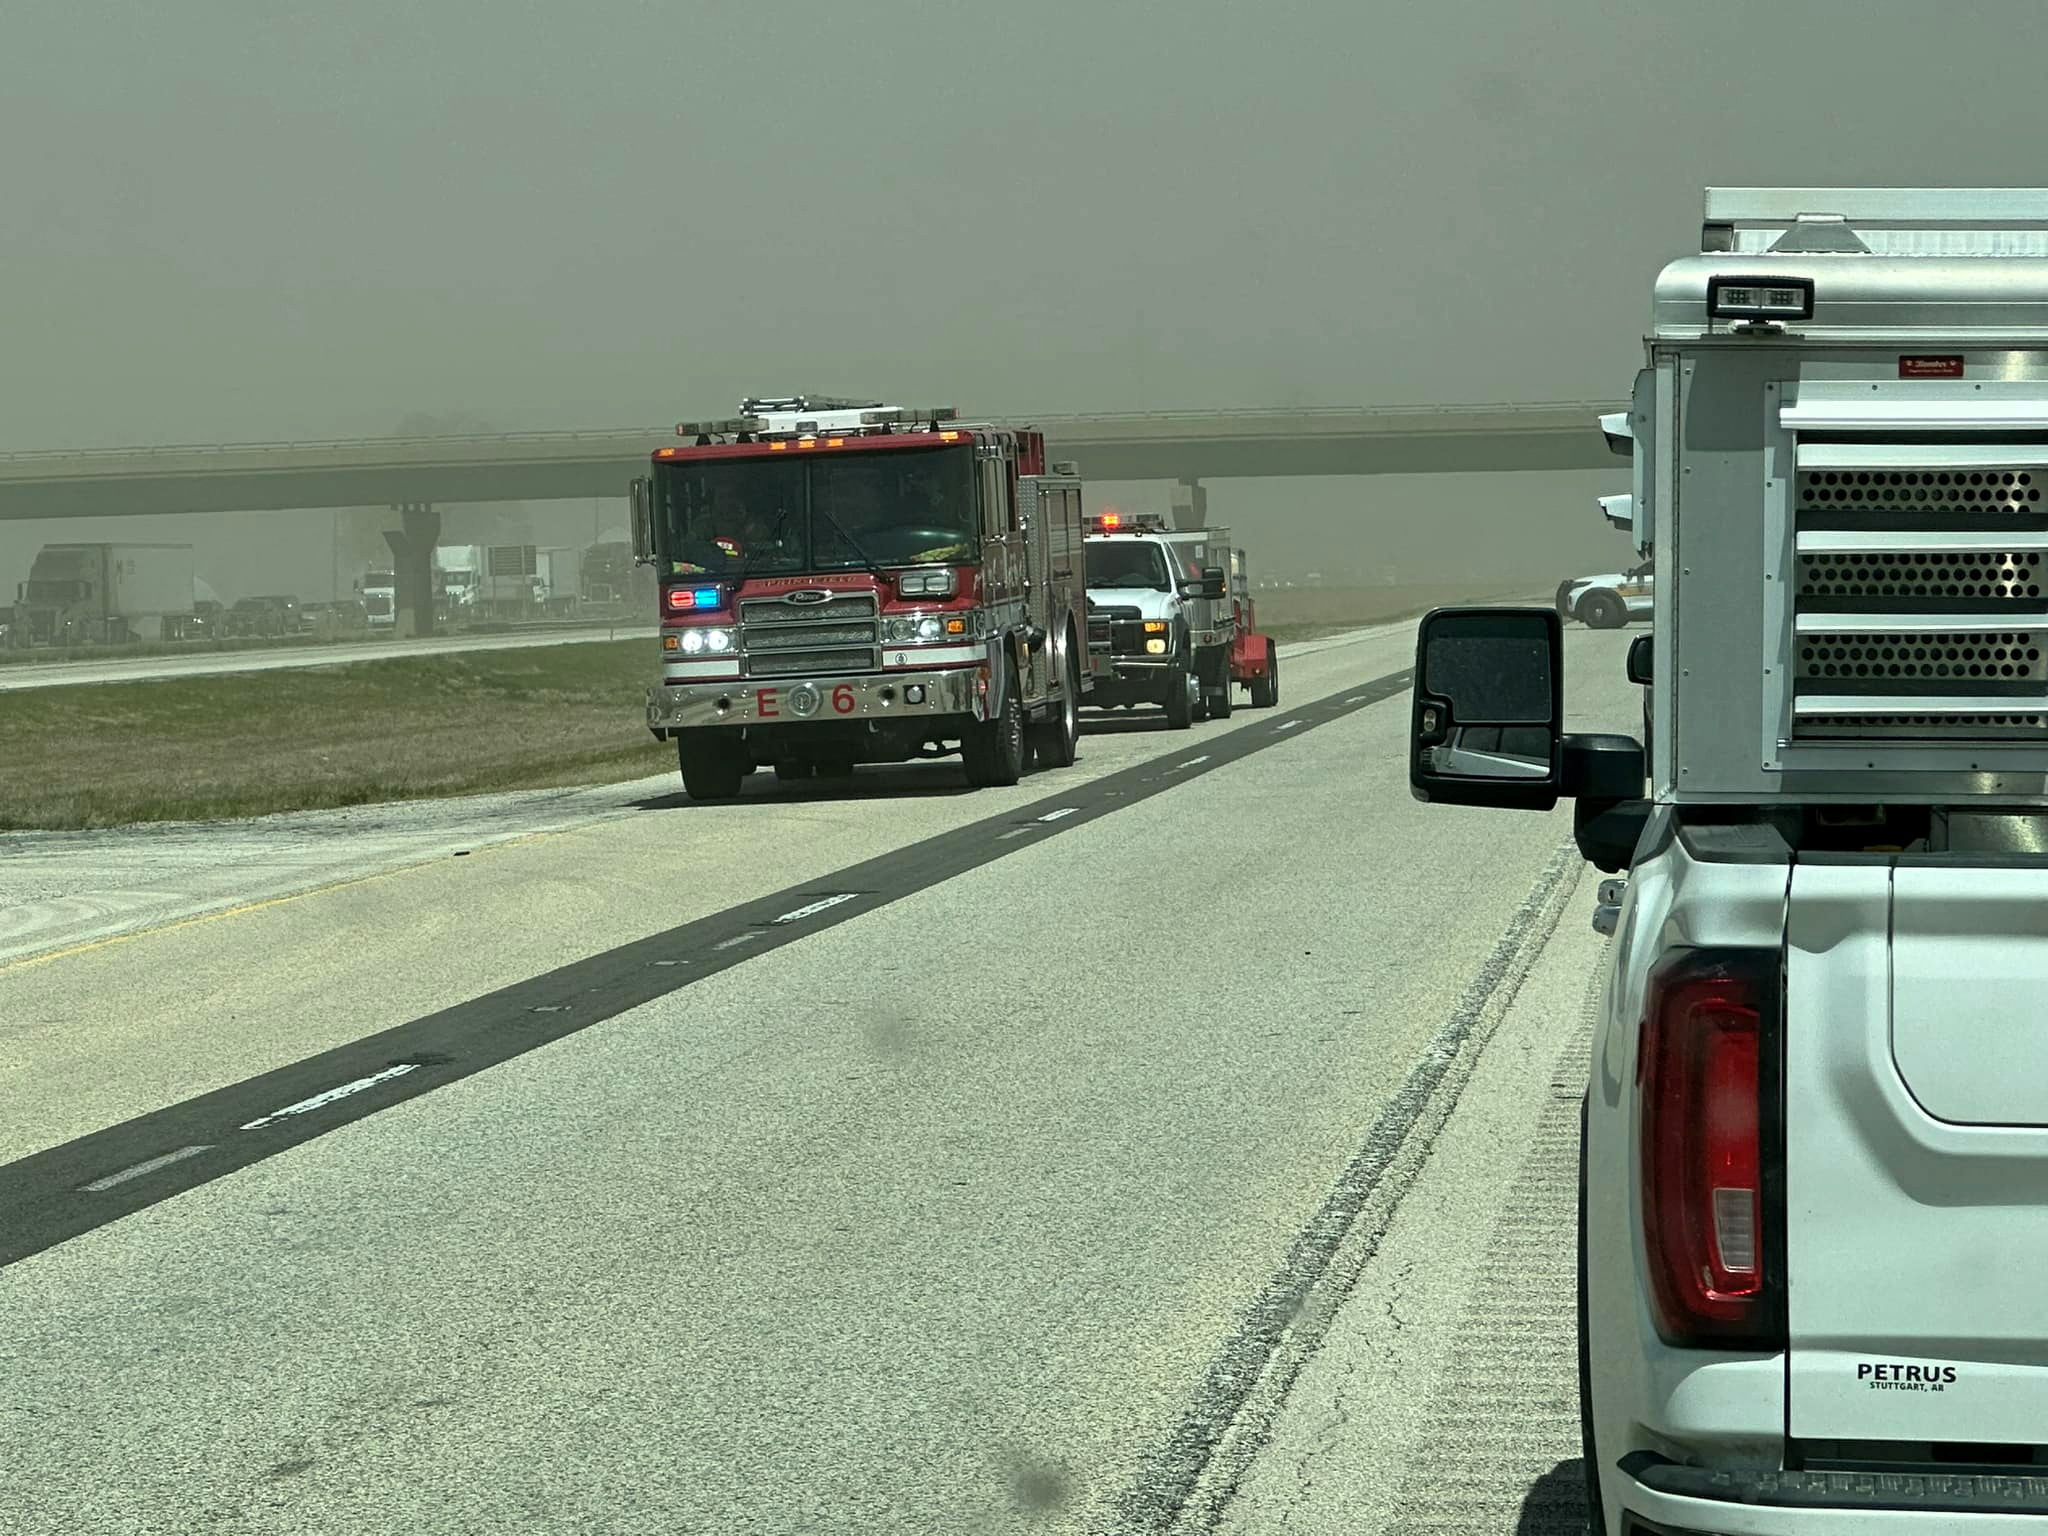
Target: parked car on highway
x=345, y=617
x=1610, y=600
x=259, y=617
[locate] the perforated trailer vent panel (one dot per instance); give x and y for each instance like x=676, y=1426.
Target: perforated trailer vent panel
x=1918, y=594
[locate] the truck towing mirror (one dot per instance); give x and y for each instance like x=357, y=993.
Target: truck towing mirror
x=1215, y=582
x=1488, y=708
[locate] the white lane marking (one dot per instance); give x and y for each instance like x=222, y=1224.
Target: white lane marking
x=1355, y=698
x=149, y=1165
x=1016, y=832
x=1286, y=725
x=321, y=1100
x=1065, y=810
x=735, y=941
x=815, y=907
x=1192, y=761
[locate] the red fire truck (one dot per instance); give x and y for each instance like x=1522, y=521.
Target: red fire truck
x=844, y=582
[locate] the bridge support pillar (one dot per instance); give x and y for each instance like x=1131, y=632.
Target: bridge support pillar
x=412, y=567
x=1190, y=504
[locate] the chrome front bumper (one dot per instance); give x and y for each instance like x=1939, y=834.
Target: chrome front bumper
x=872, y=696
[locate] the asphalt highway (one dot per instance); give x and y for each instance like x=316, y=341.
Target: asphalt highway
x=1169, y=1143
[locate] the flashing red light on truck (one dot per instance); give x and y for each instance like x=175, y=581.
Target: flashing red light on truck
x=693, y=599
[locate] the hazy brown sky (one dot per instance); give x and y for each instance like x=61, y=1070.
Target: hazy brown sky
x=230, y=220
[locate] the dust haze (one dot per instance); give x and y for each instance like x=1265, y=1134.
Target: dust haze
x=242, y=222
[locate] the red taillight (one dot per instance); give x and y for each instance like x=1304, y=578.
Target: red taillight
x=1701, y=1075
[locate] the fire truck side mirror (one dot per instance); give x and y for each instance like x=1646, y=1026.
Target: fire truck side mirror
x=1488, y=708
x=643, y=524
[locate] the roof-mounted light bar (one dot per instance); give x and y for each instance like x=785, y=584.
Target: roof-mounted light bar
x=1127, y=522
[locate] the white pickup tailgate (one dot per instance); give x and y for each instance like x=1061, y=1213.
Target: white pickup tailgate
x=1916, y=1149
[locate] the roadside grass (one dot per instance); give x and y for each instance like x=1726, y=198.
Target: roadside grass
x=409, y=727
x=252, y=743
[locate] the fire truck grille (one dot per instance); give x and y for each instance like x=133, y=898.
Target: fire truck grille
x=780, y=610
x=780, y=638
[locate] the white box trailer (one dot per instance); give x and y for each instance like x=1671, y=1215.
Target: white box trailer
x=511, y=578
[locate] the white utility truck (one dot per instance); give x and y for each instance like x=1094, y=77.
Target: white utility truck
x=1814, y=1208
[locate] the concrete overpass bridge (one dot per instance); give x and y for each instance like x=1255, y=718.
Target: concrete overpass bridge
x=414, y=476
x=1187, y=446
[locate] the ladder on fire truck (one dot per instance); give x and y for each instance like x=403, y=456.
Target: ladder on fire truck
x=805, y=416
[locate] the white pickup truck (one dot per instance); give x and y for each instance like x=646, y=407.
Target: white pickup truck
x=1814, y=1165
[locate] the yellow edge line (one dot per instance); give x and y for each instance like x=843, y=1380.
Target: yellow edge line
x=244, y=908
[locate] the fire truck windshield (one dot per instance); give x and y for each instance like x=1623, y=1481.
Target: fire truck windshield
x=813, y=512
x=1139, y=563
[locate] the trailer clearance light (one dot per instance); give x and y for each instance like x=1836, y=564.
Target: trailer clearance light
x=698, y=641
x=1760, y=298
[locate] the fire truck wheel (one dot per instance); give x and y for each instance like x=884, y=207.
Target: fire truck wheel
x=1266, y=689
x=993, y=750
x=1057, y=742
x=709, y=773
x=1180, y=702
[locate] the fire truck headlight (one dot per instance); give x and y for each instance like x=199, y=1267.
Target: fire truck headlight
x=697, y=641
x=1155, y=647
x=930, y=629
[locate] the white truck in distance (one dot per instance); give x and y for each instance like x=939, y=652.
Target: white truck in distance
x=1814, y=1176
x=1160, y=621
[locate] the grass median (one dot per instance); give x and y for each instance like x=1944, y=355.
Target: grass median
x=250, y=743
x=405, y=728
